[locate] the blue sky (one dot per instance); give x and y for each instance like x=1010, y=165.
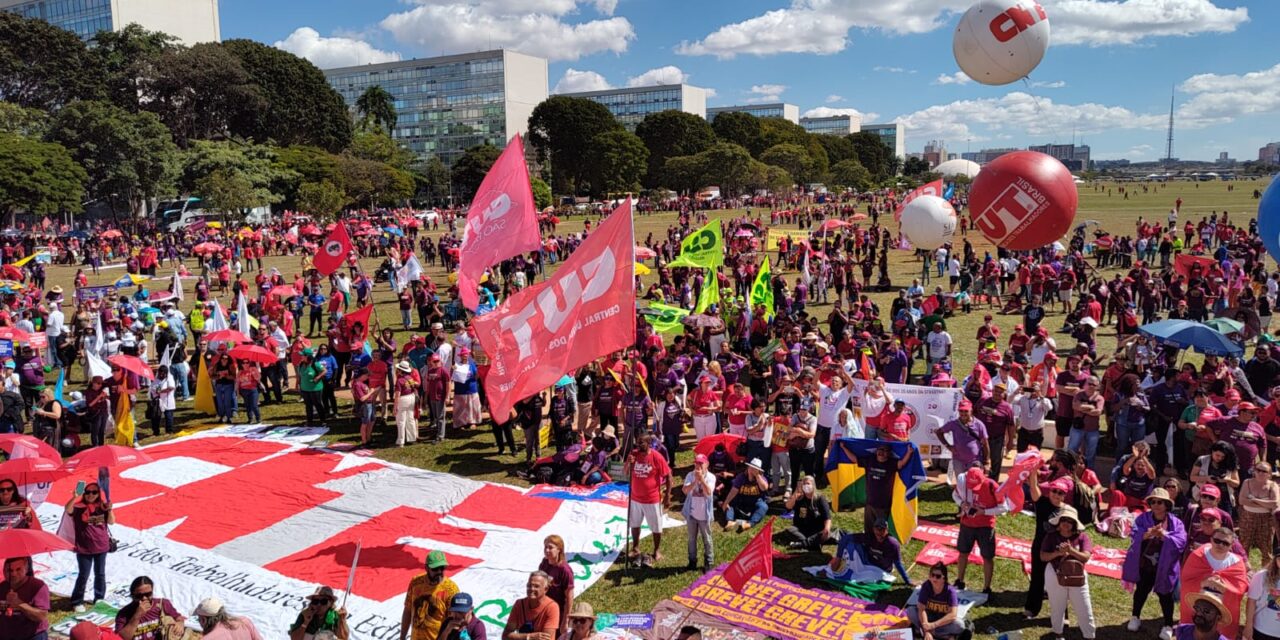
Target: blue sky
x=1106, y=77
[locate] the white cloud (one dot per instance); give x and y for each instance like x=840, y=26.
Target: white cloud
x=1021, y=114
x=1098, y=24
x=956, y=78
x=331, y=53
x=882, y=69
x=575, y=81
x=530, y=26
x=1056, y=84
x=662, y=75
x=711, y=93
x=1218, y=99
x=834, y=98
x=762, y=93
x=822, y=26
x=827, y=112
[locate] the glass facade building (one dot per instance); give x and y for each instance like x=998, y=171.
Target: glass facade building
x=772, y=110
x=832, y=125
x=446, y=105
x=893, y=135
x=630, y=105
x=191, y=21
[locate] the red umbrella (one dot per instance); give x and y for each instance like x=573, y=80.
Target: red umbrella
x=207, y=247
x=310, y=230
x=832, y=224
x=110, y=233
x=708, y=444
x=227, y=335
x=254, y=353
x=11, y=271
x=858, y=217
x=11, y=442
x=14, y=334
x=645, y=253
x=132, y=364
x=284, y=291
x=32, y=470
x=28, y=542
x=107, y=455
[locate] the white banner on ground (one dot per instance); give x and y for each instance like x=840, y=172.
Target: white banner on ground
x=260, y=523
x=929, y=407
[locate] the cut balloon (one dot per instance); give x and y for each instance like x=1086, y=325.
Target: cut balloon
x=1001, y=41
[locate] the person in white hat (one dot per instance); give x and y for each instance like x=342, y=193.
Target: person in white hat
x=406, y=390
x=1068, y=543
x=747, y=495
x=217, y=624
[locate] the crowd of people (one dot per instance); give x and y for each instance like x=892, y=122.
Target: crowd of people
x=773, y=388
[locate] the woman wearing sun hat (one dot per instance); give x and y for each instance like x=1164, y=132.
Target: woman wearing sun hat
x=582, y=623
x=1067, y=543
x=1153, y=560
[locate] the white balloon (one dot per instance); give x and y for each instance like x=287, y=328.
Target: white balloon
x=967, y=168
x=928, y=222
x=1001, y=41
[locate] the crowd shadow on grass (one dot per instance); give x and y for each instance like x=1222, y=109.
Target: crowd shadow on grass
x=471, y=464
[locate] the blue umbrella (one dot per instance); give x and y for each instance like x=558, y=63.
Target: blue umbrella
x=76, y=234
x=395, y=231
x=1186, y=334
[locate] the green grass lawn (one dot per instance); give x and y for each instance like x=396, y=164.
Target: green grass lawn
x=472, y=454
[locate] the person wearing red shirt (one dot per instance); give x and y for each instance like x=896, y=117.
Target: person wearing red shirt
x=737, y=404
x=705, y=403
x=650, y=494
x=1018, y=340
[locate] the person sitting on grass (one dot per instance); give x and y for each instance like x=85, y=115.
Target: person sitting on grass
x=747, y=495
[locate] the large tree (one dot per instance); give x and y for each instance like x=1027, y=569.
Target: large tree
x=321, y=199
x=792, y=158
x=672, y=133
x=256, y=163
x=432, y=178
x=838, y=148
x=377, y=145
x=873, y=154
x=200, y=93
x=560, y=133
x=23, y=121
x=915, y=167
x=370, y=183
x=468, y=170
x=742, y=129
x=37, y=177
x=129, y=157
x=377, y=107
x=850, y=173
x=301, y=164
x=541, y=192
x=619, y=159
x=126, y=57
x=43, y=66
x=301, y=107
x=728, y=166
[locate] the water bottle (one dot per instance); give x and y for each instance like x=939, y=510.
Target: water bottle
x=1010, y=635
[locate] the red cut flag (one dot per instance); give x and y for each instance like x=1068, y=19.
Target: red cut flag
x=1183, y=264
x=1025, y=464
x=334, y=250
x=586, y=310
x=502, y=221
x=755, y=559
x=361, y=316
x=931, y=189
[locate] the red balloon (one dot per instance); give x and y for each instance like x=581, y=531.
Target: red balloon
x=1023, y=200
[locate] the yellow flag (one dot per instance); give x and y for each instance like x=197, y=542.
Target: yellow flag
x=204, y=391
x=762, y=289
x=124, y=422
x=29, y=258
x=710, y=293
x=702, y=248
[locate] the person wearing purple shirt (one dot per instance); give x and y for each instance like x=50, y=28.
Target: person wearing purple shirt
x=1209, y=610
x=1244, y=433
x=25, y=615
x=969, y=440
x=997, y=415
x=893, y=363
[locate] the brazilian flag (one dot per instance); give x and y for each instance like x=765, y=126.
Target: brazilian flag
x=849, y=484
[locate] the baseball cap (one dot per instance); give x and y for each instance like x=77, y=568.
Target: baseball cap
x=436, y=560
x=881, y=523
x=1211, y=490
x=700, y=458
x=1211, y=514
x=210, y=606
x=461, y=603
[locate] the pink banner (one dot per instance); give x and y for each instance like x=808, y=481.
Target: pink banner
x=502, y=221
x=1106, y=562
x=586, y=310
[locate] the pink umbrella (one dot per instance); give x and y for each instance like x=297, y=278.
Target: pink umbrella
x=28, y=542
x=132, y=364
x=284, y=291
x=107, y=455
x=227, y=335
x=16, y=335
x=254, y=353
x=10, y=443
x=832, y=224
x=32, y=470
x=858, y=217
x=645, y=253
x=110, y=233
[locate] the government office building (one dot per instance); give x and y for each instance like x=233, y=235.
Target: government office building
x=788, y=112
x=832, y=125
x=448, y=104
x=190, y=21
x=893, y=135
x=630, y=105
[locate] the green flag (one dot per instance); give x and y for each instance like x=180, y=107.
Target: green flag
x=702, y=248
x=666, y=319
x=762, y=289
x=710, y=293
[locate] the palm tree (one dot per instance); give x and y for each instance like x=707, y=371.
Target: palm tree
x=377, y=106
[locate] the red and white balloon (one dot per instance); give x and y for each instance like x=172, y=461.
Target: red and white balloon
x=1001, y=41
x=1023, y=200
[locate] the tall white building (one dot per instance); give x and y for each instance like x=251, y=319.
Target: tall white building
x=630, y=105
x=190, y=21
x=832, y=125
x=447, y=104
x=893, y=135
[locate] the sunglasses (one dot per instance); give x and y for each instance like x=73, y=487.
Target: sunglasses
x=8, y=489
x=1058, y=491
x=92, y=492
x=320, y=602
x=1222, y=543
x=142, y=596
x=580, y=621
x=936, y=576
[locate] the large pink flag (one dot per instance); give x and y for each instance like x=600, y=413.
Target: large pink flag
x=586, y=310
x=502, y=221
